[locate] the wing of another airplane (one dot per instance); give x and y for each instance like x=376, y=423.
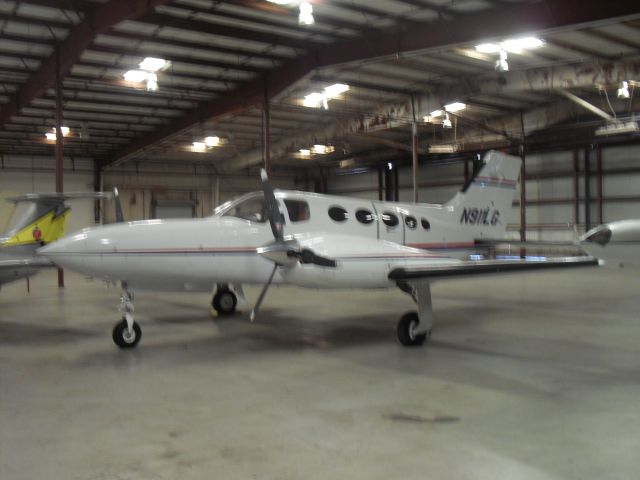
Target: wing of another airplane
x=485, y=267
x=25, y=263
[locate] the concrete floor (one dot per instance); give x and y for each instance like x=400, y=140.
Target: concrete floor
x=529, y=377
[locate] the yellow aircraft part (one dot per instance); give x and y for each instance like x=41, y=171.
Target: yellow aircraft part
x=46, y=229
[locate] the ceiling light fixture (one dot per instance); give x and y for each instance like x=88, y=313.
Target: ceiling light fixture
x=152, y=64
x=501, y=63
x=513, y=45
x=321, y=99
x=212, y=141
x=147, y=73
x=305, y=16
x=446, y=123
x=198, y=146
x=51, y=136
x=455, y=107
x=623, y=91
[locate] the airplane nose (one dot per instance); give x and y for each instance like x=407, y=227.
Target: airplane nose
x=600, y=235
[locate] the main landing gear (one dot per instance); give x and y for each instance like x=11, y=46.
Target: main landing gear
x=414, y=328
x=126, y=333
x=224, y=301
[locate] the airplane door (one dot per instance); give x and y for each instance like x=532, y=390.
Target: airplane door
x=390, y=223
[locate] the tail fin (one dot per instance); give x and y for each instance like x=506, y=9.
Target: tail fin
x=486, y=200
x=44, y=220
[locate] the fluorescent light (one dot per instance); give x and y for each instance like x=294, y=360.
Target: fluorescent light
x=199, y=146
x=437, y=113
x=336, y=89
x=152, y=82
x=455, y=107
x=318, y=99
x=517, y=45
x=322, y=149
x=135, y=76
x=50, y=136
x=501, y=63
x=488, y=48
x=281, y=2
x=513, y=45
x=623, y=91
x=313, y=100
x=212, y=141
x=305, y=152
x=446, y=123
x=306, y=14
x=151, y=64
x=65, y=131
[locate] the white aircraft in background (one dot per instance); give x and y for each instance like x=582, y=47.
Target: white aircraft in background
x=617, y=243
x=308, y=240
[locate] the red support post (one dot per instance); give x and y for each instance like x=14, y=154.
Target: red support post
x=59, y=142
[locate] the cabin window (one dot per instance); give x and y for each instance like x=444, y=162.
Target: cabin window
x=425, y=224
x=410, y=222
x=364, y=216
x=298, y=210
x=252, y=209
x=389, y=219
x=338, y=214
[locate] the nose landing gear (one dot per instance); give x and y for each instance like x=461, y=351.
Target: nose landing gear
x=126, y=333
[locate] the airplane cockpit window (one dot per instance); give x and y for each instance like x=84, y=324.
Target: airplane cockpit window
x=252, y=209
x=425, y=224
x=364, y=216
x=298, y=210
x=410, y=222
x=389, y=219
x=338, y=214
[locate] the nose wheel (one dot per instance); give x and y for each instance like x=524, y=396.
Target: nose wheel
x=126, y=333
x=224, y=301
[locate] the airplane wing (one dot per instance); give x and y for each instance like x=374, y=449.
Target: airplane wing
x=26, y=263
x=484, y=267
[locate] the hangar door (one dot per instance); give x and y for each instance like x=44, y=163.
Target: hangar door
x=173, y=209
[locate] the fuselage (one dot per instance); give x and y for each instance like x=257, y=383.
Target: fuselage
x=195, y=254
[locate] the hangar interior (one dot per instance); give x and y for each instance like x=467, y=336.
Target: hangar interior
x=179, y=103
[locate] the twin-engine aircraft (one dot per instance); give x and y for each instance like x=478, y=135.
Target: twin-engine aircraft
x=42, y=222
x=308, y=240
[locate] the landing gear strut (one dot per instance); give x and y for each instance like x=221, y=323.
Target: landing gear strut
x=126, y=333
x=414, y=328
x=224, y=301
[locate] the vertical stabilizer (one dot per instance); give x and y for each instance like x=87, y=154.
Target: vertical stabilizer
x=485, y=202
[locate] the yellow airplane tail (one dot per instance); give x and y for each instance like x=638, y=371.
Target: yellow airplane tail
x=45, y=219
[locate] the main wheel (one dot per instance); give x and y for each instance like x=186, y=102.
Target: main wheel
x=125, y=339
x=224, y=302
x=407, y=327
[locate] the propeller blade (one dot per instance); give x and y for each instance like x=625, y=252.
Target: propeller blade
x=271, y=206
x=116, y=197
x=252, y=317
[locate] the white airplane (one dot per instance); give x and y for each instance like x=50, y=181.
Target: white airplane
x=617, y=243
x=307, y=240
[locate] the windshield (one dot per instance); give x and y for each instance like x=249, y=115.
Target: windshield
x=248, y=207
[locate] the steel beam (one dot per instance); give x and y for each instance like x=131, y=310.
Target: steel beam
x=101, y=18
x=508, y=20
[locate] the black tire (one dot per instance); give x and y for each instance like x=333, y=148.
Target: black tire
x=407, y=324
x=121, y=335
x=224, y=302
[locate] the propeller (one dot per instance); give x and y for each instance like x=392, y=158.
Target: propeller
x=282, y=252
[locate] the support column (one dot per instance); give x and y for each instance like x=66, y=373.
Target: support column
x=587, y=188
x=600, y=185
x=414, y=150
x=59, y=143
x=576, y=188
x=523, y=183
x=266, y=118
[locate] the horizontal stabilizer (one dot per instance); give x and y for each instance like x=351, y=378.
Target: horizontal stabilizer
x=484, y=267
x=59, y=197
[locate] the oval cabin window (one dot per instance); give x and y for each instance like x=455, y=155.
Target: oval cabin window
x=389, y=219
x=364, y=216
x=338, y=214
x=410, y=222
x=425, y=224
